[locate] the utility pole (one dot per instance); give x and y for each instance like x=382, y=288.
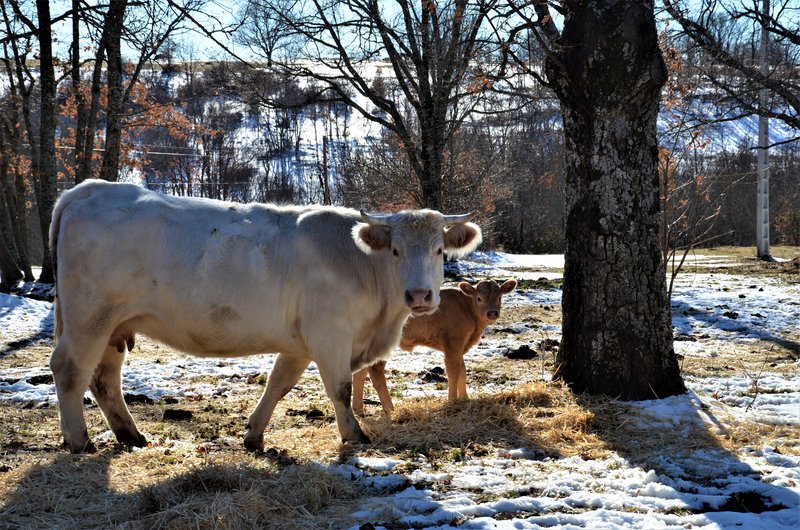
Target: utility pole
x=326, y=190
x=762, y=196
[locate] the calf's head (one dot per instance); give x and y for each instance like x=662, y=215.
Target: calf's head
x=416, y=241
x=486, y=296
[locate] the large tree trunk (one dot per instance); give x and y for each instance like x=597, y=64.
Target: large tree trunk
x=114, y=19
x=85, y=137
x=617, y=330
x=77, y=90
x=46, y=178
x=11, y=227
x=10, y=269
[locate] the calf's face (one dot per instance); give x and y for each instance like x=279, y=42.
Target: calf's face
x=486, y=296
x=417, y=241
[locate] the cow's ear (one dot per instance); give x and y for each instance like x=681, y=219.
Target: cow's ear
x=467, y=288
x=461, y=239
x=370, y=238
x=508, y=286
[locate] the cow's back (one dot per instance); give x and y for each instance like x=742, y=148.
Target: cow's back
x=206, y=276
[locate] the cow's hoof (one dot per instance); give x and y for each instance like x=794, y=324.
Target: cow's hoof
x=135, y=439
x=253, y=443
x=87, y=447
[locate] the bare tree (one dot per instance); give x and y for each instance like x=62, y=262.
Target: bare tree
x=430, y=48
x=147, y=27
x=10, y=268
x=726, y=35
x=41, y=139
x=607, y=72
x=263, y=29
x=112, y=36
x=16, y=102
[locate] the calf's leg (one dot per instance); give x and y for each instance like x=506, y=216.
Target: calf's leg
x=456, y=375
x=462, y=378
x=284, y=375
x=359, y=378
x=106, y=385
x=377, y=374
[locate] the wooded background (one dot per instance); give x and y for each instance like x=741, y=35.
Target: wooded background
x=488, y=126
x=615, y=131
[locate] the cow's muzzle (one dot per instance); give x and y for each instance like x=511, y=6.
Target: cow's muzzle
x=492, y=315
x=420, y=301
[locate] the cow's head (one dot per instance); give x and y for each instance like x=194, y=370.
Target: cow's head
x=486, y=296
x=416, y=241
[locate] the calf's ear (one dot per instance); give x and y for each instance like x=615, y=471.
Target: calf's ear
x=461, y=239
x=508, y=286
x=370, y=237
x=467, y=288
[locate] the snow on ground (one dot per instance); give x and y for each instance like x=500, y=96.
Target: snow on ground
x=522, y=489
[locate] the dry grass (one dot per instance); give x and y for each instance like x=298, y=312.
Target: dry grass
x=539, y=416
x=151, y=489
x=196, y=473
x=187, y=481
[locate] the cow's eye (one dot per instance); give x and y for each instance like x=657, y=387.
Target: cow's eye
x=395, y=253
x=439, y=251
x=480, y=299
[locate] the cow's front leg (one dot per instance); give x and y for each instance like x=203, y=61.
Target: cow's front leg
x=337, y=378
x=284, y=376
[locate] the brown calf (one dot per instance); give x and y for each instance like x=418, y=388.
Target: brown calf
x=457, y=326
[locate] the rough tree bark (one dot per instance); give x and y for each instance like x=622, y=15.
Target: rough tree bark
x=10, y=269
x=77, y=90
x=617, y=332
x=114, y=19
x=45, y=181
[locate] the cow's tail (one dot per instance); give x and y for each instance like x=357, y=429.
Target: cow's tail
x=55, y=227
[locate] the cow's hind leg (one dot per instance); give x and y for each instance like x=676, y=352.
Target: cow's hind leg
x=338, y=381
x=284, y=375
x=73, y=363
x=106, y=385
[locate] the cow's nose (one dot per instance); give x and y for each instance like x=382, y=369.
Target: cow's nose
x=492, y=315
x=419, y=298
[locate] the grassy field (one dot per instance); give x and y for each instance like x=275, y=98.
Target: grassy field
x=196, y=473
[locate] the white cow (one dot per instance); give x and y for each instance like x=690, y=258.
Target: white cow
x=211, y=278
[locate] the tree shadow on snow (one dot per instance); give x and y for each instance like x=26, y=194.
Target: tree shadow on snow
x=739, y=324
x=692, y=463
x=44, y=333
